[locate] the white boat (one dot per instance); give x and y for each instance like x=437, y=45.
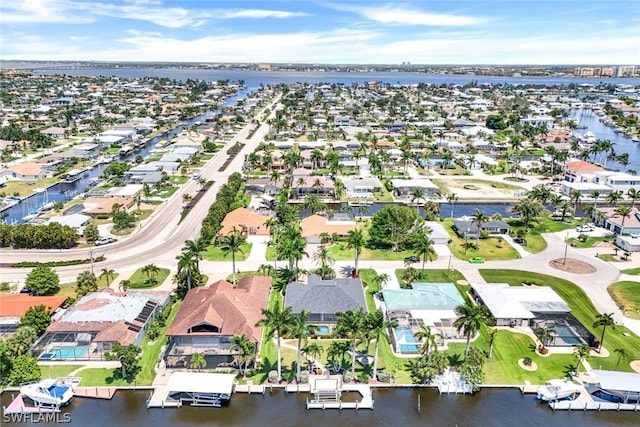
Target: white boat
x=48, y=392
x=557, y=389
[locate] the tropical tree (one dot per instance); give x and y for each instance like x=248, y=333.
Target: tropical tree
x=37, y=317
x=313, y=203
x=452, y=198
x=625, y=212
x=324, y=257
x=108, y=275
x=150, y=270
x=425, y=249
x=350, y=325
x=479, y=218
x=42, y=280
x=581, y=352
x=576, y=195
x=417, y=193
x=188, y=273
x=614, y=197
x=356, y=241
x=470, y=318
x=491, y=336
x=540, y=193
x=312, y=352
x=545, y=335
x=232, y=243
x=604, y=320
x=124, y=285
x=528, y=210
x=197, y=361
x=634, y=196
x=429, y=339
x=376, y=325
x=245, y=347
x=622, y=354
x=337, y=349
x=595, y=194
x=86, y=282
x=277, y=322
x=301, y=329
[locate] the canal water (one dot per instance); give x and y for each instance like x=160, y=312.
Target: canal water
x=393, y=407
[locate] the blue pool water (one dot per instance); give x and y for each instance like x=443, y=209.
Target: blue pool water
x=69, y=352
x=323, y=330
x=406, y=340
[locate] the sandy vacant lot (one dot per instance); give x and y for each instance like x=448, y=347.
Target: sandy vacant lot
x=477, y=189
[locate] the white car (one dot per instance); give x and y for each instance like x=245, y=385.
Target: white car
x=584, y=229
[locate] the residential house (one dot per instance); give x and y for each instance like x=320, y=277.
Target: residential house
x=585, y=188
x=575, y=170
x=14, y=306
x=607, y=217
x=86, y=150
x=630, y=243
x=25, y=170
x=317, y=225
x=245, y=221
x=98, y=320
x=75, y=221
x=468, y=229
x=362, y=187
x=324, y=298
x=404, y=187
x=438, y=234
x=94, y=206
x=54, y=132
x=210, y=316
x=306, y=185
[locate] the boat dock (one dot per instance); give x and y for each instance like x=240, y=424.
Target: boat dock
x=585, y=402
x=19, y=406
x=327, y=391
x=450, y=382
x=95, y=392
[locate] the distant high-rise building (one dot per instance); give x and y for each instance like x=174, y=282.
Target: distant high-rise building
x=626, y=71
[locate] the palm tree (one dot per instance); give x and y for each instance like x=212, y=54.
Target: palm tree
x=187, y=270
x=247, y=349
x=634, y=196
x=150, y=270
x=582, y=352
x=614, y=197
x=595, y=194
x=195, y=248
x=452, y=198
x=491, y=335
x=301, y=329
x=277, y=322
x=604, y=320
x=108, y=275
x=417, y=193
x=350, y=325
x=424, y=248
x=545, y=335
x=232, y=243
x=337, y=348
x=425, y=333
x=622, y=354
x=528, y=210
x=576, y=195
x=324, y=257
x=124, y=285
x=624, y=212
x=197, y=361
x=479, y=218
x=470, y=319
x=314, y=203
x=312, y=352
x=356, y=241
x=376, y=324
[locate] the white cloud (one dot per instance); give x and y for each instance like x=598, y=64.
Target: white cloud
x=257, y=14
x=397, y=15
x=40, y=11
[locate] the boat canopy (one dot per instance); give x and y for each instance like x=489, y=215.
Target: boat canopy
x=199, y=382
x=619, y=381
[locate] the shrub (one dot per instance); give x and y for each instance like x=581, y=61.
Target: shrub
x=272, y=377
x=347, y=377
x=304, y=377
x=384, y=377
x=527, y=361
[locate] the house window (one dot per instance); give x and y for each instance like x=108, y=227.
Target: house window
x=205, y=327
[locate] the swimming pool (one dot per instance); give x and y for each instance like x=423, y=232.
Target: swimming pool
x=76, y=352
x=405, y=340
x=565, y=336
x=322, y=330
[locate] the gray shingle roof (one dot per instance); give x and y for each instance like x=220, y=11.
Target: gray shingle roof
x=325, y=296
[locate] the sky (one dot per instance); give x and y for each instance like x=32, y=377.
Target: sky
x=324, y=32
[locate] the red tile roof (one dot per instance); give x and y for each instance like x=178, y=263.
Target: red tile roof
x=582, y=166
x=245, y=221
x=16, y=305
x=232, y=310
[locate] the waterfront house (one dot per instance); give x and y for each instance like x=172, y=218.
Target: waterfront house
x=246, y=221
x=324, y=298
x=104, y=205
x=24, y=171
x=302, y=186
x=98, y=320
x=607, y=218
x=575, y=170
x=75, y=221
x=210, y=316
x=54, y=132
x=86, y=150
x=317, y=225
x=362, y=187
x=14, y=306
x=585, y=188
x=468, y=229
x=535, y=307
x=404, y=187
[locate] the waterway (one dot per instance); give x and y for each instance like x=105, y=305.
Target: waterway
x=393, y=407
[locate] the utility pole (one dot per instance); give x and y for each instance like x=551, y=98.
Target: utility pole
x=566, y=246
x=91, y=256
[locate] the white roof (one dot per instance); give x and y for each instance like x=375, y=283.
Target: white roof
x=621, y=381
x=73, y=220
x=199, y=382
x=437, y=230
x=518, y=302
x=422, y=183
x=127, y=191
x=585, y=186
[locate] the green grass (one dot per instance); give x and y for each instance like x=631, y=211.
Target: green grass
x=139, y=280
x=341, y=253
x=608, y=257
x=535, y=241
x=581, y=307
x=57, y=371
x=241, y=274
x=491, y=248
x=214, y=253
x=632, y=271
x=626, y=294
x=588, y=243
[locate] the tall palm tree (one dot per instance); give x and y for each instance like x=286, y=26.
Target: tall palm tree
x=604, y=320
x=622, y=354
x=425, y=333
x=479, y=218
x=312, y=352
x=277, y=322
x=245, y=347
x=350, y=325
x=301, y=329
x=356, y=241
x=197, y=361
x=491, y=335
x=452, y=198
x=232, y=243
x=324, y=257
x=614, y=197
x=634, y=196
x=624, y=212
x=150, y=270
x=377, y=325
x=108, y=275
x=470, y=319
x=188, y=270
x=425, y=249
x=337, y=349
x=582, y=352
x=595, y=194
x=576, y=195
x=195, y=248
x=417, y=193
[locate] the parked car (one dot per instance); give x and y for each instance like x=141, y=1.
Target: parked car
x=104, y=241
x=476, y=260
x=411, y=259
x=584, y=228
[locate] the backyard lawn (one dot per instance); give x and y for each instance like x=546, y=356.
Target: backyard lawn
x=214, y=253
x=626, y=294
x=341, y=253
x=57, y=371
x=491, y=249
x=139, y=280
x=581, y=307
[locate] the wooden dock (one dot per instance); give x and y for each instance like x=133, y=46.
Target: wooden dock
x=95, y=392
